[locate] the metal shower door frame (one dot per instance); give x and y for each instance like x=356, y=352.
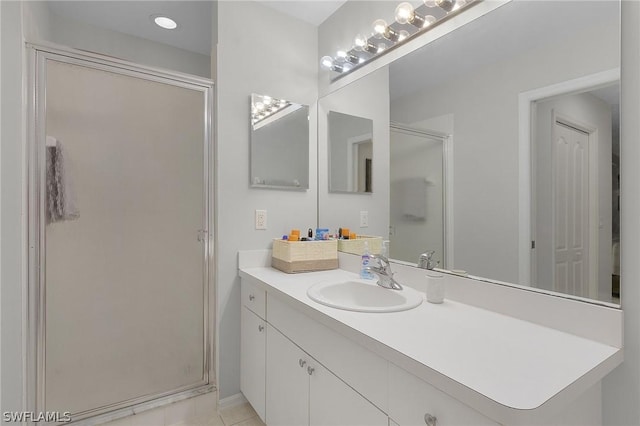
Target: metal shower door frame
x=34, y=312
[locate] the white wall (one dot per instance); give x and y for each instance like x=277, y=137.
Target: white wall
x=585, y=108
x=367, y=97
x=275, y=54
x=621, y=389
x=11, y=172
x=43, y=25
x=485, y=110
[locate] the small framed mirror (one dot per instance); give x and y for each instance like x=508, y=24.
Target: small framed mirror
x=279, y=143
x=350, y=153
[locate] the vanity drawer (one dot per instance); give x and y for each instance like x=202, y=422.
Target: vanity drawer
x=360, y=368
x=410, y=399
x=253, y=298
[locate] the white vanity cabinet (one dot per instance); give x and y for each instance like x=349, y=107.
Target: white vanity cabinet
x=300, y=391
x=304, y=364
x=287, y=381
x=252, y=347
x=414, y=402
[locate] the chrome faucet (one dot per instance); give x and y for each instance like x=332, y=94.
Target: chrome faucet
x=383, y=270
x=427, y=261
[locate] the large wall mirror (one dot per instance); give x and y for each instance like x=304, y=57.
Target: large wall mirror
x=279, y=143
x=504, y=148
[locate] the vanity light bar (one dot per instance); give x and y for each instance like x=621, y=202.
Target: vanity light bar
x=409, y=22
x=265, y=106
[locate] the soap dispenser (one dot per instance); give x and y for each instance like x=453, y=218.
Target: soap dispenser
x=365, y=273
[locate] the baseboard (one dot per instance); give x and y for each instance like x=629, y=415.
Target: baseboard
x=232, y=401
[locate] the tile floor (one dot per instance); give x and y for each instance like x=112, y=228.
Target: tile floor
x=198, y=411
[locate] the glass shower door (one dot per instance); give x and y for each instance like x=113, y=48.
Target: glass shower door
x=122, y=217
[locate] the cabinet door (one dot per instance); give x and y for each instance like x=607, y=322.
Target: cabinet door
x=287, y=382
x=333, y=402
x=252, y=360
x=411, y=400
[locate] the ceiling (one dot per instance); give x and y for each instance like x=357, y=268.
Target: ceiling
x=133, y=17
x=312, y=11
x=194, y=18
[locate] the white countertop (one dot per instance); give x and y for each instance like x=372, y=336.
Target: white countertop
x=514, y=363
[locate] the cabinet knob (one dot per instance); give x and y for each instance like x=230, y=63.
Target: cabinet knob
x=302, y=362
x=260, y=328
x=251, y=297
x=310, y=370
x=430, y=420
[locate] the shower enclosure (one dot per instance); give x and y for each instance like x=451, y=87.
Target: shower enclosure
x=119, y=232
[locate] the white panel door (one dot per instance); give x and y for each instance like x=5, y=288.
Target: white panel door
x=571, y=212
x=287, y=390
x=252, y=360
x=332, y=402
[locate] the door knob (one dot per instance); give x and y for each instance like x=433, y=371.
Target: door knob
x=260, y=328
x=310, y=370
x=302, y=362
x=251, y=297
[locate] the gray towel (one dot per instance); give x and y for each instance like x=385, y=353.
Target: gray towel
x=414, y=198
x=61, y=202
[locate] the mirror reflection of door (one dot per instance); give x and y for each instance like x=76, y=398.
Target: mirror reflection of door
x=417, y=194
x=362, y=156
x=575, y=237
x=350, y=153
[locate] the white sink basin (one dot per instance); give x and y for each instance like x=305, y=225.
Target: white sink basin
x=363, y=296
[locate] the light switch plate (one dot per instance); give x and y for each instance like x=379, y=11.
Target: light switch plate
x=261, y=219
x=364, y=218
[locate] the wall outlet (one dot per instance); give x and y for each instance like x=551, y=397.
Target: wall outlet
x=364, y=219
x=261, y=219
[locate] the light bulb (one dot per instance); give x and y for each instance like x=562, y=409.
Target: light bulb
x=379, y=28
x=360, y=42
x=402, y=35
x=327, y=62
x=347, y=67
x=274, y=109
x=259, y=106
x=446, y=5
x=459, y=4
x=404, y=13
x=267, y=100
x=430, y=3
x=381, y=47
x=341, y=54
x=283, y=103
x=428, y=20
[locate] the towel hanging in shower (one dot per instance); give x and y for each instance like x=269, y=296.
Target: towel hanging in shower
x=61, y=201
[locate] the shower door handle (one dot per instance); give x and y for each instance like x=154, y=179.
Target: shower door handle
x=202, y=235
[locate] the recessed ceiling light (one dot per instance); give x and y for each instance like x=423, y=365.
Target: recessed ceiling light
x=165, y=22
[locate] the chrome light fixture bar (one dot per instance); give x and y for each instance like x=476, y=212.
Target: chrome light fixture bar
x=409, y=23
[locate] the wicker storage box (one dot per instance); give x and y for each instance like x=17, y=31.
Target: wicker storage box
x=357, y=246
x=304, y=256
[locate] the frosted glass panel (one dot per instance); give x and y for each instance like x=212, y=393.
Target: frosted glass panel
x=125, y=279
